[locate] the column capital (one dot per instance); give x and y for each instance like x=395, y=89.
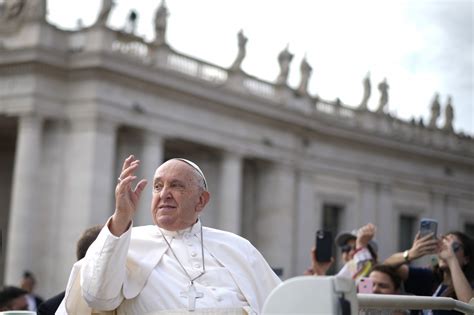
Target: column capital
x=93, y=123
x=152, y=137
x=232, y=155
x=385, y=186
x=31, y=120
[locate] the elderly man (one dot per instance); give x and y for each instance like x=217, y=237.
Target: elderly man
x=175, y=266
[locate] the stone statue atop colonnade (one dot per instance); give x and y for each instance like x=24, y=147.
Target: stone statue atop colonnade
x=284, y=60
x=242, y=43
x=449, y=115
x=383, y=101
x=15, y=12
x=305, y=72
x=161, y=24
x=367, y=92
x=435, y=111
x=107, y=6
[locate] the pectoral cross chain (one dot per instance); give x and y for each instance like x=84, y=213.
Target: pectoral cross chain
x=192, y=296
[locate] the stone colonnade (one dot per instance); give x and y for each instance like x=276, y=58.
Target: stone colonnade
x=65, y=172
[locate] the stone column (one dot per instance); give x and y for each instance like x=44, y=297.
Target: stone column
x=386, y=223
x=230, y=196
x=24, y=233
x=438, y=203
x=368, y=203
x=276, y=201
x=308, y=220
x=451, y=211
x=151, y=156
x=89, y=185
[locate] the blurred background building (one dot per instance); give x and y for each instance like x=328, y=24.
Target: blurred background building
x=280, y=162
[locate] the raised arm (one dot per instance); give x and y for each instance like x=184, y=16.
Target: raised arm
x=461, y=285
x=318, y=268
x=362, y=261
x=421, y=246
x=103, y=270
x=364, y=235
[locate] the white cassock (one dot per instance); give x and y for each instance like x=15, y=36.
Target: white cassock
x=136, y=273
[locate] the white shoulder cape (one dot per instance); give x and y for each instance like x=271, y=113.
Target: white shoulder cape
x=247, y=266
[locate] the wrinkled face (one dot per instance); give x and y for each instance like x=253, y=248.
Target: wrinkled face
x=348, y=250
x=382, y=283
x=458, y=251
x=177, y=197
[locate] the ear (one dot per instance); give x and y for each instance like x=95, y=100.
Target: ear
x=203, y=200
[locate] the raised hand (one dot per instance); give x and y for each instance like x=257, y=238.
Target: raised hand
x=365, y=234
x=422, y=246
x=126, y=198
x=446, y=251
x=318, y=268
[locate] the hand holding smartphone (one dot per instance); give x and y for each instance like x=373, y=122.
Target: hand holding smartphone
x=428, y=226
x=323, y=246
x=365, y=286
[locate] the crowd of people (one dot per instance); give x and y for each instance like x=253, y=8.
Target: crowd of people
x=23, y=298
x=451, y=276
x=177, y=265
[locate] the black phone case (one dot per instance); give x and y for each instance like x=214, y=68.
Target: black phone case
x=323, y=246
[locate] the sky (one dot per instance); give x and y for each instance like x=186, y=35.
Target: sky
x=420, y=46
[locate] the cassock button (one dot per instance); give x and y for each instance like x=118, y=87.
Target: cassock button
x=193, y=254
x=196, y=265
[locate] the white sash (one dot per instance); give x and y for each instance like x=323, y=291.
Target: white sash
x=207, y=311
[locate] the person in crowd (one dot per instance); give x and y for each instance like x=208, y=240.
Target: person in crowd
x=28, y=283
x=452, y=276
x=176, y=264
x=385, y=280
x=364, y=256
x=50, y=306
x=13, y=299
x=346, y=241
x=358, y=260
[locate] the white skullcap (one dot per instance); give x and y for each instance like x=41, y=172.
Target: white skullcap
x=194, y=165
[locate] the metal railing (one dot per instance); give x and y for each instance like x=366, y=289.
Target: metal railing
x=409, y=302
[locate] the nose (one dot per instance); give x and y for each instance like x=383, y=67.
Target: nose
x=165, y=192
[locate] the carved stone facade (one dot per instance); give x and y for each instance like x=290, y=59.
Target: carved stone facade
x=74, y=104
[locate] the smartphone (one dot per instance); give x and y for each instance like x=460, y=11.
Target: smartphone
x=428, y=226
x=323, y=246
x=365, y=285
